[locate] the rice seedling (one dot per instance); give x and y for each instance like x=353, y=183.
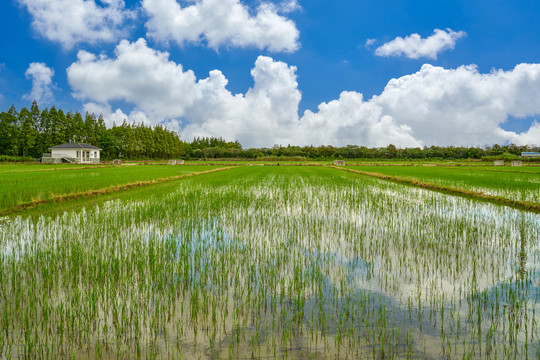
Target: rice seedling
x=273, y=262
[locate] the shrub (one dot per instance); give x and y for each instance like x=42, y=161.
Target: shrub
x=8, y=158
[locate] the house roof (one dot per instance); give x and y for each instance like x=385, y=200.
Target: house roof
x=75, y=146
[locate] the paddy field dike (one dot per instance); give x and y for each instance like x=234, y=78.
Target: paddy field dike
x=230, y=261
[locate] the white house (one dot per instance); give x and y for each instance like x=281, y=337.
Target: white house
x=73, y=153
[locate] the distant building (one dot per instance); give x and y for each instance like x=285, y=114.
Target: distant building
x=517, y=163
x=530, y=155
x=176, y=162
x=73, y=153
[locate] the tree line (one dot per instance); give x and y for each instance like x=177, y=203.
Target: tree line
x=392, y=152
x=31, y=132
x=329, y=152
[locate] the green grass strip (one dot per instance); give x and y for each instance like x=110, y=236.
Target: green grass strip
x=103, y=191
x=520, y=205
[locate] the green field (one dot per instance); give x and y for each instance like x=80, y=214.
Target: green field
x=522, y=184
x=272, y=262
x=26, y=183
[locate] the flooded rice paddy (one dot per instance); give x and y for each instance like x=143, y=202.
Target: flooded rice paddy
x=276, y=263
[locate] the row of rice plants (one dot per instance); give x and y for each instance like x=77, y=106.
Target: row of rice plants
x=276, y=263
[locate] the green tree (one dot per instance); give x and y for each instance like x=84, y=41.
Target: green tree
x=45, y=134
x=27, y=134
x=58, y=126
x=9, y=132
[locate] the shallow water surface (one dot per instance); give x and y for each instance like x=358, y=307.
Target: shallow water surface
x=276, y=266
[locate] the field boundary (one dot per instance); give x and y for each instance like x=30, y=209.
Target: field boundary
x=103, y=191
x=520, y=205
x=58, y=169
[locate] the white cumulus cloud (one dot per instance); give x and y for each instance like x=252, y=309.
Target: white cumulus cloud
x=223, y=23
x=70, y=22
x=139, y=75
x=41, y=76
x=462, y=106
x=163, y=91
x=351, y=120
x=530, y=137
x=266, y=114
x=434, y=106
x=415, y=47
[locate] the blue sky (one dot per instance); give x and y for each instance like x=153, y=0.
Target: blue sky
x=298, y=72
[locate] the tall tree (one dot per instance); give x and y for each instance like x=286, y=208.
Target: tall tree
x=45, y=134
x=28, y=135
x=58, y=125
x=9, y=132
x=90, y=124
